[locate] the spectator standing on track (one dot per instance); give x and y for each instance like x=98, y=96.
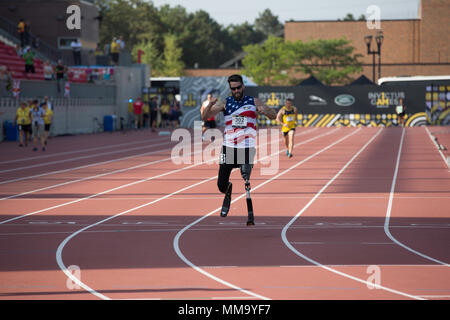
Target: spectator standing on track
x=153, y=112
x=287, y=118
x=37, y=120
x=30, y=106
x=239, y=146
x=165, y=108
x=50, y=107
x=209, y=123
x=138, y=108
x=400, y=109
x=46, y=101
x=175, y=113
x=145, y=113
x=48, y=118
x=23, y=121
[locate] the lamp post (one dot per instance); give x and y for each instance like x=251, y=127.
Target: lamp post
x=379, y=40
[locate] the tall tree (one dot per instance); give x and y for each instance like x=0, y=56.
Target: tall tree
x=242, y=35
x=151, y=56
x=268, y=23
x=172, y=65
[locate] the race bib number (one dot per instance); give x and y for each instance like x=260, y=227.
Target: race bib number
x=239, y=122
x=223, y=158
x=289, y=118
x=399, y=109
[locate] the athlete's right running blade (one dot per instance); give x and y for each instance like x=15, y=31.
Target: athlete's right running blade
x=250, y=220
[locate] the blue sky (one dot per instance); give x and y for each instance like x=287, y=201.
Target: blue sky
x=239, y=11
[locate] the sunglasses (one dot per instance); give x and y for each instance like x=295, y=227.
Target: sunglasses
x=236, y=88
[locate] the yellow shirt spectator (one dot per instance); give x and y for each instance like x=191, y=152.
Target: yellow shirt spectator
x=21, y=27
x=165, y=108
x=23, y=116
x=115, y=47
x=48, y=116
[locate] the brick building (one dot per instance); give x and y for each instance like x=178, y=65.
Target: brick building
x=418, y=46
x=410, y=47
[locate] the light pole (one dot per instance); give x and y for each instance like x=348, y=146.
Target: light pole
x=379, y=40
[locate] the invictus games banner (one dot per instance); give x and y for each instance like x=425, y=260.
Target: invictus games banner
x=318, y=105
x=345, y=100
x=346, y=105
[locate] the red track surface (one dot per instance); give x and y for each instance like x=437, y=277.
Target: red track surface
x=352, y=204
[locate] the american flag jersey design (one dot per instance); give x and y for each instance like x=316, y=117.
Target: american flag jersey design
x=240, y=123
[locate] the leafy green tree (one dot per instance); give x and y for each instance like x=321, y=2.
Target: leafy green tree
x=204, y=41
x=277, y=62
x=135, y=20
x=172, y=65
x=151, y=56
x=200, y=37
x=267, y=64
x=332, y=61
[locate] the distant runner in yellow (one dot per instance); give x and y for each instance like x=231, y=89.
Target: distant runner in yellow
x=287, y=118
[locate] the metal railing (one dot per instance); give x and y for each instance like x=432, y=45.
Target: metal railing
x=7, y=102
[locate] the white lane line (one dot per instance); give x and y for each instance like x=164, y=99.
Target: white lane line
x=301, y=255
x=439, y=150
x=225, y=298
x=96, y=176
x=173, y=228
x=66, y=240
x=43, y=164
x=256, y=196
x=86, y=178
x=86, y=166
x=60, y=249
x=81, y=150
x=97, y=194
x=389, y=210
x=341, y=243
x=176, y=241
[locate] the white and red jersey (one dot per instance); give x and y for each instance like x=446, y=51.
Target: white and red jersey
x=240, y=123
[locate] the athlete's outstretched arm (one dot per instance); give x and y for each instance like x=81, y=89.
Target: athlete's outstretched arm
x=212, y=109
x=265, y=110
x=280, y=116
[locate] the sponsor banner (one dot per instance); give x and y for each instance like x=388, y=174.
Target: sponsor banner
x=362, y=99
x=85, y=74
x=77, y=75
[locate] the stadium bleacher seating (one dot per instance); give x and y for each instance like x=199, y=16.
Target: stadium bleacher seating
x=10, y=59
